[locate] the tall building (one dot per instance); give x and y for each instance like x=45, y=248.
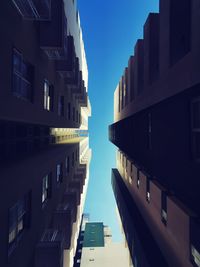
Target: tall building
x=44, y=140
x=96, y=248
x=156, y=129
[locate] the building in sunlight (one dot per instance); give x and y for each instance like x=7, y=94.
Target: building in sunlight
x=44, y=140
x=156, y=129
x=96, y=248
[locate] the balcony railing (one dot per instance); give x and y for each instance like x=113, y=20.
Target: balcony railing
x=49, y=251
x=34, y=9
x=53, y=34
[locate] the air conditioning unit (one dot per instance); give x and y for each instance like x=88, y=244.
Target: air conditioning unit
x=49, y=251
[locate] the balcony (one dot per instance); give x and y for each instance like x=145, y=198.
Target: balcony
x=75, y=186
x=68, y=65
x=49, y=251
x=83, y=97
x=53, y=33
x=34, y=9
x=63, y=220
x=71, y=198
x=72, y=190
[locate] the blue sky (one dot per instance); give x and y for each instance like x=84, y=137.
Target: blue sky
x=110, y=31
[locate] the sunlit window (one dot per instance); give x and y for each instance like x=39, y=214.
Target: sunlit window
x=195, y=255
x=19, y=216
x=46, y=188
x=48, y=96
x=59, y=173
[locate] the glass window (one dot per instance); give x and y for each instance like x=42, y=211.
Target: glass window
x=195, y=121
x=61, y=106
x=148, y=190
x=67, y=164
x=138, y=178
x=73, y=114
x=48, y=96
x=73, y=159
x=195, y=255
x=46, y=190
x=22, y=77
x=59, y=174
x=19, y=216
x=69, y=111
x=164, y=207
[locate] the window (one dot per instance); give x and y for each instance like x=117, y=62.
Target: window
x=195, y=122
x=48, y=96
x=46, y=188
x=19, y=220
x=76, y=155
x=180, y=29
x=22, y=77
x=148, y=190
x=149, y=131
x=73, y=113
x=73, y=159
x=59, y=173
x=76, y=116
x=195, y=255
x=164, y=208
x=61, y=106
x=138, y=178
x=69, y=111
x=67, y=164
x=78, y=261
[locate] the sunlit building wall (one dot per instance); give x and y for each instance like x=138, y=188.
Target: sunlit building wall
x=98, y=249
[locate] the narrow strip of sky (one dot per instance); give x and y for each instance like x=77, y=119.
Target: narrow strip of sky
x=110, y=31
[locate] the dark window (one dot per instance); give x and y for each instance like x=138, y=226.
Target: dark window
x=48, y=96
x=76, y=155
x=164, y=207
x=69, y=111
x=61, y=106
x=149, y=131
x=59, y=173
x=138, y=178
x=180, y=29
x=76, y=116
x=67, y=164
x=148, y=189
x=195, y=110
x=73, y=159
x=46, y=188
x=19, y=220
x=73, y=114
x=22, y=77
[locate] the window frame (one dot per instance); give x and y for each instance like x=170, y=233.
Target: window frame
x=22, y=78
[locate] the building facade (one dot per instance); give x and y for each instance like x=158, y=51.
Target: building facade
x=156, y=122
x=96, y=248
x=44, y=140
